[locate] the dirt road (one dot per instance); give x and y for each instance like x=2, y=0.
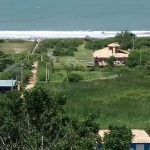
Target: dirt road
x=36, y=46
x=32, y=80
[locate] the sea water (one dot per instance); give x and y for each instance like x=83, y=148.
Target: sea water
x=73, y=18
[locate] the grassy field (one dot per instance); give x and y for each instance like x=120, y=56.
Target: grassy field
x=60, y=73
x=124, y=100
x=16, y=47
x=82, y=53
x=59, y=76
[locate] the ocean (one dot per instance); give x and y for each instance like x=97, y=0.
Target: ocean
x=73, y=18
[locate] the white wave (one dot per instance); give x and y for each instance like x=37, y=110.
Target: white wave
x=64, y=34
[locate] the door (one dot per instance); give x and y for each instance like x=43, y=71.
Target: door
x=139, y=146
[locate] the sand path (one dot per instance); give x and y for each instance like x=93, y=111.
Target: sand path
x=36, y=46
x=32, y=80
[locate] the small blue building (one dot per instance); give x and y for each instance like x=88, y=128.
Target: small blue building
x=141, y=140
x=7, y=85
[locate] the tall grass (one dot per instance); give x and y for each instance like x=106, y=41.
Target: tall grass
x=124, y=100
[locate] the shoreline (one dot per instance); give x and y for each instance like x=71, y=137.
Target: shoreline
x=30, y=35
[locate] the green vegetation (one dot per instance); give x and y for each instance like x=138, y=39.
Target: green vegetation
x=45, y=118
x=16, y=46
x=119, y=138
x=138, y=58
x=40, y=121
x=124, y=100
x=114, y=101
x=74, y=77
x=5, y=60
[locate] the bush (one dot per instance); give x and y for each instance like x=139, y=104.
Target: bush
x=79, y=68
x=92, y=68
x=73, y=77
x=73, y=49
x=69, y=53
x=119, y=138
x=110, y=61
x=2, y=41
x=16, y=41
x=66, y=43
x=26, y=75
x=138, y=58
x=59, y=53
x=93, y=45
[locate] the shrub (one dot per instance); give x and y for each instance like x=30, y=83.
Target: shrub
x=59, y=52
x=73, y=49
x=16, y=41
x=96, y=44
x=2, y=41
x=92, y=68
x=119, y=138
x=73, y=77
x=110, y=61
x=26, y=75
x=69, y=53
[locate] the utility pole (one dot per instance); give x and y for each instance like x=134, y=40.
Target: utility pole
x=21, y=74
x=46, y=73
x=133, y=41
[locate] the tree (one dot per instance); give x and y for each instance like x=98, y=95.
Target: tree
x=38, y=120
x=119, y=138
x=138, y=58
x=110, y=61
x=125, y=39
x=5, y=59
x=74, y=77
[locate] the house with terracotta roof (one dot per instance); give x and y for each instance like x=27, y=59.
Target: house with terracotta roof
x=141, y=140
x=113, y=49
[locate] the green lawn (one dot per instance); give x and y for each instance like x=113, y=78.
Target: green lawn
x=83, y=53
x=16, y=47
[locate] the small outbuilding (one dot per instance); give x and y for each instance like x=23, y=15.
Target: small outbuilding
x=7, y=85
x=141, y=140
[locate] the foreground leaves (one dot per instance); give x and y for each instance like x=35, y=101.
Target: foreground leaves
x=39, y=121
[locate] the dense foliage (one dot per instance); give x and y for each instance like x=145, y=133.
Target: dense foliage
x=74, y=77
x=61, y=47
x=5, y=60
x=119, y=138
x=98, y=43
x=125, y=39
x=39, y=121
x=110, y=61
x=138, y=57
